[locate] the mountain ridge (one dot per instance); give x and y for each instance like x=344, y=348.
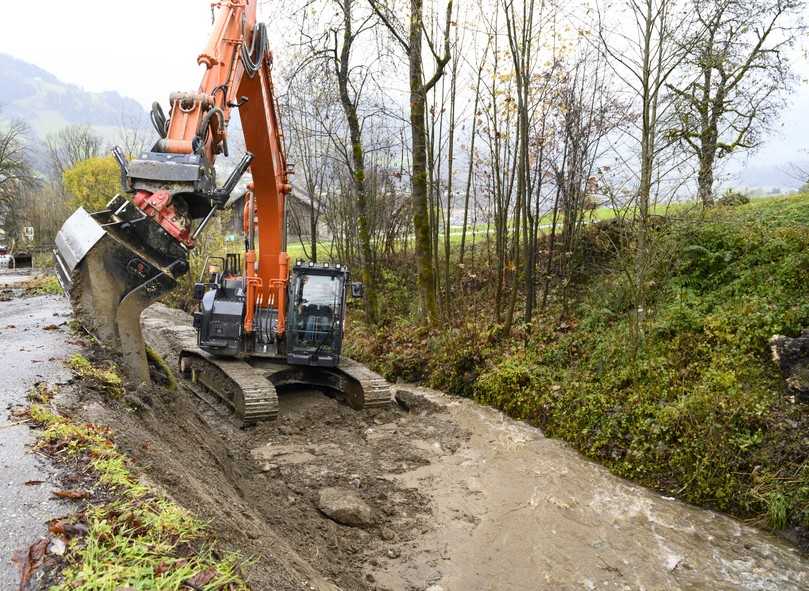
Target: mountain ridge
x=47, y=104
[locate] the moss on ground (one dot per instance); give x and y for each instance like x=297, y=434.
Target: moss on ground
x=166, y=373
x=107, y=379
x=43, y=285
x=135, y=539
x=698, y=409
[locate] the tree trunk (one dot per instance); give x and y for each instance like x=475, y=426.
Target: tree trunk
x=707, y=158
x=358, y=165
x=421, y=216
x=471, y=172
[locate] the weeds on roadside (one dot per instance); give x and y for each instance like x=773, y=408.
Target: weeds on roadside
x=41, y=393
x=106, y=379
x=136, y=540
x=43, y=285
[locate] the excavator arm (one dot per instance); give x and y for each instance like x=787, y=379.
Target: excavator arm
x=116, y=262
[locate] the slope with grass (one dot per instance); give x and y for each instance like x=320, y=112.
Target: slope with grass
x=696, y=408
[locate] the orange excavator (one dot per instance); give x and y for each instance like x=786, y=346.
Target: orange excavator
x=259, y=324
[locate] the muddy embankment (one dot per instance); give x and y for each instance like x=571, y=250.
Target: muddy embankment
x=447, y=496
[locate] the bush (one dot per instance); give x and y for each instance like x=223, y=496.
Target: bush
x=731, y=198
x=457, y=356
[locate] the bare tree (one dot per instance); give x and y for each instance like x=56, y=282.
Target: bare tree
x=71, y=145
x=133, y=133
x=645, y=56
x=310, y=128
x=349, y=98
x=16, y=176
x=15, y=167
x=736, y=73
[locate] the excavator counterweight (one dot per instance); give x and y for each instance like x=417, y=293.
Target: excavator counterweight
x=259, y=324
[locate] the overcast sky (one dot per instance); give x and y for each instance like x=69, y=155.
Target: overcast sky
x=146, y=49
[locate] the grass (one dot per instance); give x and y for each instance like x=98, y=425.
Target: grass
x=697, y=409
x=165, y=369
x=107, y=379
x=297, y=250
x=43, y=285
x=137, y=539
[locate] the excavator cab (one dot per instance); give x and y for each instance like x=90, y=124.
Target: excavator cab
x=316, y=313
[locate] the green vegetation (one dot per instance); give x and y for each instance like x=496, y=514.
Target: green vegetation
x=43, y=285
x=165, y=368
x=136, y=540
x=93, y=182
x=694, y=407
x=41, y=393
x=107, y=379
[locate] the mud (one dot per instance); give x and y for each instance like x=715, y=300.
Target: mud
x=462, y=497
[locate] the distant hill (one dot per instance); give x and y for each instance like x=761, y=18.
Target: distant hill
x=47, y=104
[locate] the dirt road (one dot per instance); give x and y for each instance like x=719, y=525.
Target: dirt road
x=461, y=498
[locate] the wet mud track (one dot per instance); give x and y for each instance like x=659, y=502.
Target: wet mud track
x=461, y=498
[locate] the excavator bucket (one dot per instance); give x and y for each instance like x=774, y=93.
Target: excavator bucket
x=113, y=264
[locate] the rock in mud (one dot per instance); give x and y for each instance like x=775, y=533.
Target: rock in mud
x=345, y=506
x=414, y=402
x=792, y=357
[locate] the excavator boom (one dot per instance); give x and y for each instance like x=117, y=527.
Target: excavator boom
x=115, y=262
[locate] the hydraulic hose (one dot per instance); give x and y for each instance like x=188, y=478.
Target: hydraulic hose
x=159, y=120
x=205, y=125
x=259, y=46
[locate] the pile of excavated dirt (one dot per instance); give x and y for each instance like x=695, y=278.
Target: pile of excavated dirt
x=443, y=495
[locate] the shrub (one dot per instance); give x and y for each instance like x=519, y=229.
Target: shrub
x=731, y=198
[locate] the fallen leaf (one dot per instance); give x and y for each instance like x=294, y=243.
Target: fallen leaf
x=161, y=568
x=29, y=561
x=56, y=527
x=57, y=546
x=33, y=482
x=201, y=579
x=50, y=327
x=71, y=494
